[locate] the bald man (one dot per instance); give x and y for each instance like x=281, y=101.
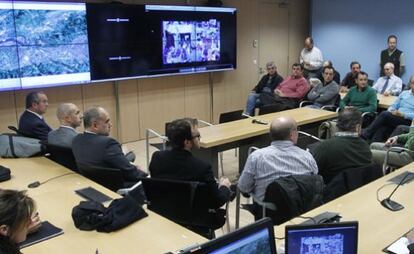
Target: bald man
x=282, y=158
x=70, y=118
x=388, y=84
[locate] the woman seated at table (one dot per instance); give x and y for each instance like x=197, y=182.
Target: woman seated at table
x=17, y=219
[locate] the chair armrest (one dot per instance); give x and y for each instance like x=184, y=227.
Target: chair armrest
x=151, y=131
x=204, y=122
x=330, y=107
x=304, y=103
x=369, y=114
x=266, y=205
x=125, y=191
x=309, y=135
x=252, y=149
x=392, y=149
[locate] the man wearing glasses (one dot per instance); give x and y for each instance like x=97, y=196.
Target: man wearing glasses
x=267, y=84
x=178, y=163
x=31, y=122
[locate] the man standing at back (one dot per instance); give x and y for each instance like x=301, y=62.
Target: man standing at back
x=282, y=158
x=95, y=148
x=70, y=118
x=31, y=122
x=393, y=55
x=311, y=58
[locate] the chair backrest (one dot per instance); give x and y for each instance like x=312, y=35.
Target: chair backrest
x=62, y=155
x=351, y=179
x=174, y=199
x=231, y=116
x=110, y=178
x=267, y=109
x=293, y=195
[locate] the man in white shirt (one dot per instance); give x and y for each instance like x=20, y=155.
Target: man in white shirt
x=70, y=118
x=311, y=58
x=388, y=84
x=282, y=158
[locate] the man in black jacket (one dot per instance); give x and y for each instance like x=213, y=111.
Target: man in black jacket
x=179, y=164
x=267, y=84
x=95, y=148
x=31, y=122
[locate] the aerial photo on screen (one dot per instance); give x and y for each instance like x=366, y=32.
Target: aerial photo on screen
x=191, y=41
x=330, y=244
x=51, y=41
x=9, y=66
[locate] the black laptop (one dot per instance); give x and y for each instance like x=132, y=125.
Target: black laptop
x=257, y=238
x=329, y=238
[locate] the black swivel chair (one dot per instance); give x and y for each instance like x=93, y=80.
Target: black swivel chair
x=351, y=179
x=225, y=118
x=267, y=109
x=62, y=155
x=184, y=203
x=110, y=178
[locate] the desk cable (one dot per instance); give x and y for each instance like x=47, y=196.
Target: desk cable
x=37, y=183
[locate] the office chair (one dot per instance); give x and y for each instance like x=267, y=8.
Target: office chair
x=184, y=202
x=349, y=180
x=110, y=178
x=225, y=118
x=62, y=155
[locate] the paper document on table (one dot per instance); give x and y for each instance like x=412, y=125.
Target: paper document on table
x=399, y=246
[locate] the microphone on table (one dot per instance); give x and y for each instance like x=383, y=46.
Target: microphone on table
x=390, y=204
x=254, y=120
x=37, y=183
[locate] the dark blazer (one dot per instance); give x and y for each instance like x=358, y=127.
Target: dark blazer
x=102, y=151
x=276, y=80
x=180, y=164
x=31, y=125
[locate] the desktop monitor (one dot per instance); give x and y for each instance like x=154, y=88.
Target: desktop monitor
x=332, y=238
x=257, y=238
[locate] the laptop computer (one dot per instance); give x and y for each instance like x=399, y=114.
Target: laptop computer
x=332, y=238
x=254, y=238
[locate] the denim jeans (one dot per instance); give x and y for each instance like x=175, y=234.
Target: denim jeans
x=251, y=103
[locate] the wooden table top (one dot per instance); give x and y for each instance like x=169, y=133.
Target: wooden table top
x=55, y=200
x=237, y=130
x=384, y=102
x=378, y=226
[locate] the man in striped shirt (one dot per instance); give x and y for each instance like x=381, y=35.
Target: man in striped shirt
x=282, y=158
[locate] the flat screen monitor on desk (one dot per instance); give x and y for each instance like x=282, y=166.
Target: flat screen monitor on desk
x=334, y=238
x=255, y=238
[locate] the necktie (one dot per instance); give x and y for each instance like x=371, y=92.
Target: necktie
x=385, y=85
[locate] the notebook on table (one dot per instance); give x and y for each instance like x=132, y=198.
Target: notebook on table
x=332, y=238
x=45, y=232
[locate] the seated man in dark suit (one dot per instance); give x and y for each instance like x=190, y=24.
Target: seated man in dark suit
x=70, y=118
x=95, y=148
x=31, y=122
x=179, y=164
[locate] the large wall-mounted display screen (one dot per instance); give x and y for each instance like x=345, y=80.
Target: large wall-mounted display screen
x=56, y=43
x=43, y=44
x=130, y=41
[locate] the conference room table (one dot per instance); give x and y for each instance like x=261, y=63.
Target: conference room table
x=384, y=102
x=56, y=198
x=378, y=226
x=244, y=133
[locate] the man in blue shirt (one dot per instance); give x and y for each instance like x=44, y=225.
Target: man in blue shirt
x=401, y=112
